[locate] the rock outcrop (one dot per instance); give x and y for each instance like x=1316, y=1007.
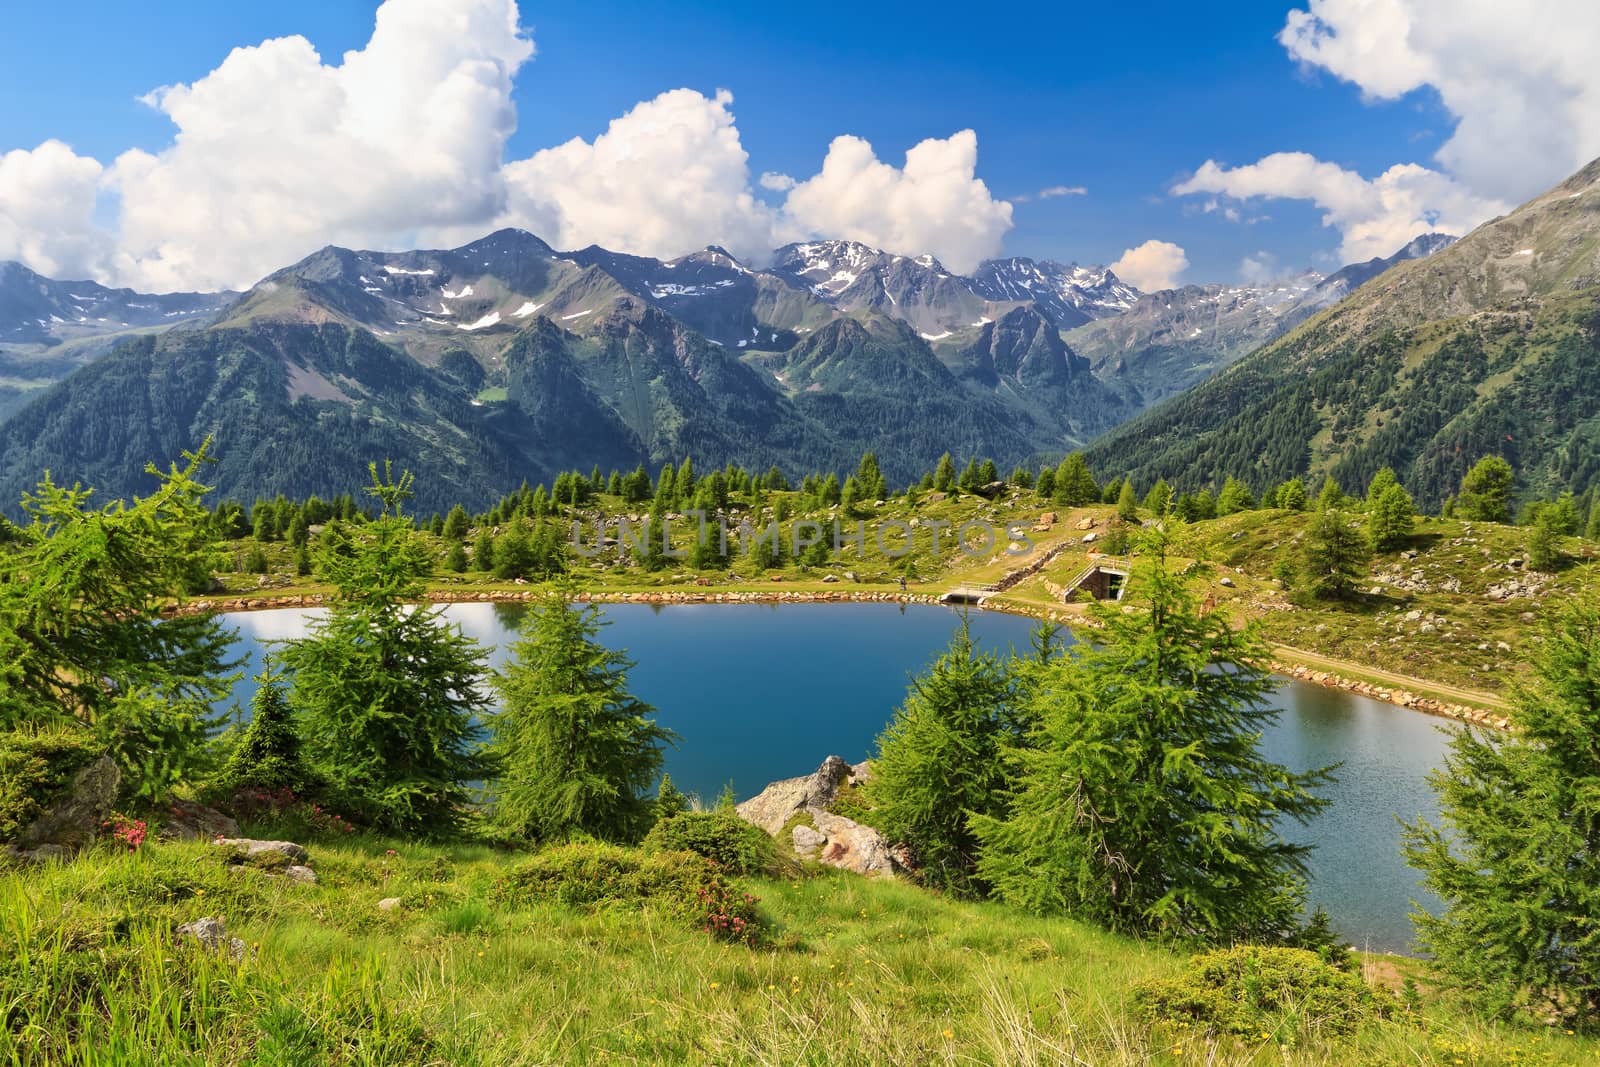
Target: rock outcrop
x=822, y=835
x=75, y=818
x=191, y=821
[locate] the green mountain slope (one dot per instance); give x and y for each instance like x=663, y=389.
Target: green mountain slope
x=1489, y=346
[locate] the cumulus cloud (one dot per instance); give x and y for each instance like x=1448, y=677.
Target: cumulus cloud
x=668, y=177
x=401, y=143
x=935, y=203
x=1524, y=87
x=1374, y=217
x=277, y=152
x=1152, y=266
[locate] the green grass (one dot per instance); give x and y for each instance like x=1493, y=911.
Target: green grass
x=859, y=972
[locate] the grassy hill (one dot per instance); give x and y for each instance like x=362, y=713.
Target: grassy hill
x=852, y=971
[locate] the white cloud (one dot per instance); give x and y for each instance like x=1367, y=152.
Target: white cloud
x=668, y=177
x=1152, y=266
x=401, y=143
x=1259, y=268
x=1053, y=191
x=278, y=153
x=47, y=200
x=1523, y=84
x=1374, y=217
x=935, y=203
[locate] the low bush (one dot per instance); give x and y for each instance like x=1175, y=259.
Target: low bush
x=736, y=846
x=685, y=885
x=1252, y=989
x=35, y=769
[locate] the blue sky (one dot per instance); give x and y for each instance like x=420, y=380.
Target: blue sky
x=1125, y=101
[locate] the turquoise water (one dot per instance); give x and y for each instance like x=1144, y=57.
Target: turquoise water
x=760, y=692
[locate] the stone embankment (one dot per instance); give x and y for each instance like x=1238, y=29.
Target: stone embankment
x=1394, y=695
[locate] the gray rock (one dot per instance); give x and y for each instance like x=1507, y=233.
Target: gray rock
x=300, y=873
x=807, y=840
x=296, y=853
x=74, y=819
x=853, y=847
x=779, y=802
x=189, y=821
x=389, y=904
x=1225, y=582
x=212, y=935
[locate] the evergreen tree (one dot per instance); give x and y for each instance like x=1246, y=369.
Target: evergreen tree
x=268, y=753
x=1331, y=497
x=1111, y=492
x=456, y=560
x=299, y=531
x=1196, y=507
x=1486, y=491
x=255, y=561
x=1142, y=800
x=1158, y=499
x=1292, y=495
x=1335, y=556
x=302, y=561
x=1544, y=541
x=970, y=478
x=614, y=484
x=670, y=802
x=776, y=481
x=1074, y=486
x=1517, y=860
x=988, y=473
x=483, y=551
x=456, y=524
x=939, y=761
x=869, y=478
x=1564, y=516
x=513, y=553
x=388, y=691
x=1390, y=518
x=1045, y=484
x=1127, y=503
x=1379, y=484
x=1021, y=477
x=1235, y=497
x=830, y=493
x=1592, y=532
x=577, y=750
x=944, y=474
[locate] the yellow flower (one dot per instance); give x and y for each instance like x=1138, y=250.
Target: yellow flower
x=199, y=892
x=949, y=1034
x=714, y=985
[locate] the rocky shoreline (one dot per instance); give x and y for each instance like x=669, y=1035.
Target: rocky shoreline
x=1387, y=694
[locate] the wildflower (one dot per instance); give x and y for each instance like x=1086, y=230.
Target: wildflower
x=715, y=985
x=949, y=1034
x=199, y=892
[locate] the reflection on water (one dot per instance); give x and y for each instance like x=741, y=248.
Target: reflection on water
x=762, y=691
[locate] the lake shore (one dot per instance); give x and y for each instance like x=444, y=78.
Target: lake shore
x=1414, y=694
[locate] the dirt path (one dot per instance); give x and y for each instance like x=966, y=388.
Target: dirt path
x=1401, y=681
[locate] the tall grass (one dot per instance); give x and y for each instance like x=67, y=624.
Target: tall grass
x=863, y=973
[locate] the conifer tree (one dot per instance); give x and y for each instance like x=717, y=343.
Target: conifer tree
x=456, y=524
x=483, y=551
x=513, y=552
x=578, y=751
x=1517, y=857
x=456, y=560
x=1391, y=518
x=939, y=761
x=944, y=474
x=1486, y=491
x=1331, y=497
x=1235, y=497
x=1127, y=503
x=1074, y=486
x=1592, y=532
x=1379, y=484
x=987, y=472
x=1045, y=484
x=1142, y=800
x=268, y=753
x=1158, y=499
x=970, y=478
x=1544, y=541
x=387, y=691
x=1292, y=495
x=1335, y=555
x=670, y=801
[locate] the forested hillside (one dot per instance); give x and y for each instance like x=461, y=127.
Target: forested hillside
x=1490, y=346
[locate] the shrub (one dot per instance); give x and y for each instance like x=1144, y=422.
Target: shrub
x=34, y=769
x=686, y=886
x=736, y=846
x=1252, y=989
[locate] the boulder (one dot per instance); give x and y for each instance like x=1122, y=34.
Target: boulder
x=189, y=821
x=389, y=904
x=807, y=840
x=779, y=802
x=1086, y=523
x=1225, y=582
x=297, y=853
x=76, y=817
x=853, y=847
x=299, y=872
x=1048, y=519
x=212, y=935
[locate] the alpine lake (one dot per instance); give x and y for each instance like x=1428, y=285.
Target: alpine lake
x=759, y=692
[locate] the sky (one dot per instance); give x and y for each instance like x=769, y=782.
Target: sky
x=180, y=145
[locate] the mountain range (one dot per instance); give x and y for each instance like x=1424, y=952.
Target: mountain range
x=507, y=359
